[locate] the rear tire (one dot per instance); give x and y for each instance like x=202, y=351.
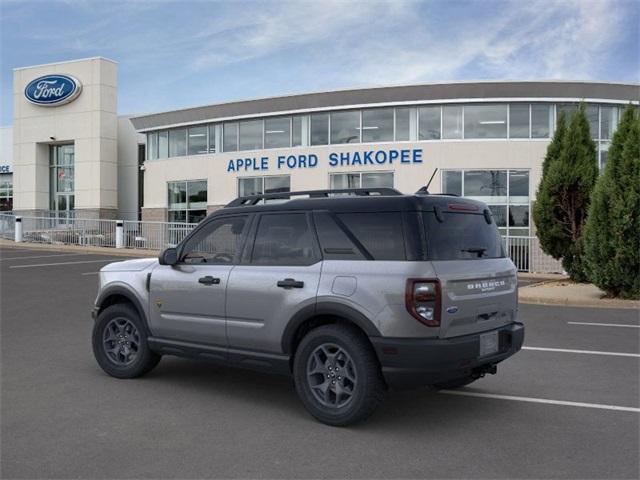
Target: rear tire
x=337, y=375
x=119, y=342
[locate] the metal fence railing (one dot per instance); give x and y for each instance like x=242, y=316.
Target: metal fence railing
x=525, y=252
x=154, y=235
x=527, y=255
x=7, y=226
x=69, y=231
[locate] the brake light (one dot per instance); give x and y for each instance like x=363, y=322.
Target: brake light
x=422, y=299
x=463, y=207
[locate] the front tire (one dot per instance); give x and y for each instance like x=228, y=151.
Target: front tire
x=119, y=342
x=337, y=375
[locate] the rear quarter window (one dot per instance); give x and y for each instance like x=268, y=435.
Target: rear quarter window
x=461, y=236
x=381, y=234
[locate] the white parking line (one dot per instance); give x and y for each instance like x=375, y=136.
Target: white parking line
x=589, y=352
x=604, y=324
x=66, y=263
x=90, y=273
x=541, y=400
x=41, y=256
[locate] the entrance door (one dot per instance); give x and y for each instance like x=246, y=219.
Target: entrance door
x=187, y=300
x=62, y=180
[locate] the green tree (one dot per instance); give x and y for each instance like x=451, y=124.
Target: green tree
x=563, y=198
x=612, y=232
x=548, y=230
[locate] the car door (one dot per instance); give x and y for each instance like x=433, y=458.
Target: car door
x=279, y=277
x=187, y=300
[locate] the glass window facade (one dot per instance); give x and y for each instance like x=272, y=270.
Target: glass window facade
x=345, y=127
x=277, y=132
x=251, y=135
x=260, y=185
x=371, y=125
x=506, y=192
x=377, y=125
x=485, y=121
x=608, y=122
x=187, y=201
x=319, y=129
x=296, y=131
x=360, y=180
x=519, y=120
x=403, y=124
x=61, y=179
x=452, y=121
x=163, y=144
x=6, y=192
x=429, y=123
x=178, y=142
x=212, y=138
x=541, y=120
x=452, y=182
x=197, y=140
x=152, y=146
x=230, y=137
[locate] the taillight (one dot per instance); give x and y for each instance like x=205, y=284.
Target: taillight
x=422, y=298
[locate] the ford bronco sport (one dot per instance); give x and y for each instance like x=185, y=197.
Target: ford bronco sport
x=349, y=291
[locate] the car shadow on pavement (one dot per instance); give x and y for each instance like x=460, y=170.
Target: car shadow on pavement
x=258, y=391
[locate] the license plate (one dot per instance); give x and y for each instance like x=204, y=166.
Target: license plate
x=488, y=344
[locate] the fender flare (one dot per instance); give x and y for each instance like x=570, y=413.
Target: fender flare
x=329, y=309
x=129, y=295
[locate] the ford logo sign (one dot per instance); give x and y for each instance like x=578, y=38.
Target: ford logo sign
x=53, y=90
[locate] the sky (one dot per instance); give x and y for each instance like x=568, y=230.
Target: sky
x=176, y=54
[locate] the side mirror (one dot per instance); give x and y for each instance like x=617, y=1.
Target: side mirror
x=168, y=256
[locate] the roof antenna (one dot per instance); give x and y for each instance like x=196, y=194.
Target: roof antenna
x=425, y=190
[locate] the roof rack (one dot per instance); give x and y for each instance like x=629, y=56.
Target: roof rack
x=360, y=192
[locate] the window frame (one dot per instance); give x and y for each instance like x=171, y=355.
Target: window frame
x=262, y=181
x=186, y=210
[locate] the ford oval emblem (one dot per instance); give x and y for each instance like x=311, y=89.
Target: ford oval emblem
x=452, y=309
x=53, y=90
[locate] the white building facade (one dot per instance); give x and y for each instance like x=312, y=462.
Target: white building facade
x=485, y=140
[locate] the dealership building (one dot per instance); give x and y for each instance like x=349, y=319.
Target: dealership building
x=69, y=151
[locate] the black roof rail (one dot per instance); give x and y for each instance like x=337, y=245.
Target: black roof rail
x=361, y=192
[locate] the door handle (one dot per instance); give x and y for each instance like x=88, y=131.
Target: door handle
x=290, y=283
x=209, y=280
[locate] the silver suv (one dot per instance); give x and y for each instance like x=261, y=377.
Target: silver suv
x=349, y=291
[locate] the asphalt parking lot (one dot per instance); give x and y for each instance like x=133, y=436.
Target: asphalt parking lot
x=565, y=407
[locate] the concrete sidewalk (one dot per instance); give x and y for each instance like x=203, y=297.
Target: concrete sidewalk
x=561, y=291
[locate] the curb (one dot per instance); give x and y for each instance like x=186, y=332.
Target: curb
x=567, y=302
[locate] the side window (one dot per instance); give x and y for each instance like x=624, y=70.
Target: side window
x=380, y=233
x=284, y=239
x=334, y=242
x=217, y=243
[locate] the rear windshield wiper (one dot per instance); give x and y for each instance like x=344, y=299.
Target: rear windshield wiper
x=479, y=250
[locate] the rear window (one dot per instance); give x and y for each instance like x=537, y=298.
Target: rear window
x=461, y=236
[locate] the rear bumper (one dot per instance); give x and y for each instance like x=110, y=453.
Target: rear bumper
x=410, y=363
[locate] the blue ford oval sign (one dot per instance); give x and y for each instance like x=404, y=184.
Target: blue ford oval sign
x=53, y=90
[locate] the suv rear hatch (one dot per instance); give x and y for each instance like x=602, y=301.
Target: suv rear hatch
x=478, y=283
